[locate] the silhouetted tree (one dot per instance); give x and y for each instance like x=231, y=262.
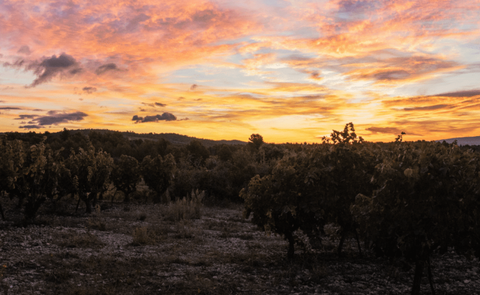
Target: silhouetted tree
x=255, y=141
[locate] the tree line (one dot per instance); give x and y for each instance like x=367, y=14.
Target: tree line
x=41, y=169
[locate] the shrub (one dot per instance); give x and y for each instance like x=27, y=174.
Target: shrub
x=144, y=236
x=186, y=208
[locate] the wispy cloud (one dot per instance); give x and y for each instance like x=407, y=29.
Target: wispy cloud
x=10, y=108
x=105, y=68
x=24, y=50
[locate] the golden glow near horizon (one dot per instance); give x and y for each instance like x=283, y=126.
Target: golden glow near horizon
x=289, y=70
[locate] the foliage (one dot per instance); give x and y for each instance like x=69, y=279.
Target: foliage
x=308, y=188
x=91, y=171
x=426, y=196
x=197, y=153
x=12, y=157
x=158, y=172
x=126, y=175
x=255, y=142
x=348, y=135
x=336, y=174
x=276, y=200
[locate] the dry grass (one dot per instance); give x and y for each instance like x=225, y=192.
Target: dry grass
x=96, y=223
x=148, y=235
x=143, y=236
x=187, y=208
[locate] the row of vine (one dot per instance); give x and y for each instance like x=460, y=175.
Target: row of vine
x=405, y=200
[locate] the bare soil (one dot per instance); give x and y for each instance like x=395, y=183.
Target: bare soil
x=141, y=249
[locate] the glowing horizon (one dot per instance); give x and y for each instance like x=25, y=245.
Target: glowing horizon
x=289, y=70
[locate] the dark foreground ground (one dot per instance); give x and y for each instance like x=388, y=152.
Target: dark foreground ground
x=151, y=249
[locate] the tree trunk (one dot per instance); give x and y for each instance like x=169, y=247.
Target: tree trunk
x=88, y=206
x=430, y=277
x=419, y=264
x=78, y=204
x=157, y=198
x=291, y=247
x=127, y=196
x=1, y=212
x=113, y=196
x=31, y=208
x=358, y=244
x=342, y=240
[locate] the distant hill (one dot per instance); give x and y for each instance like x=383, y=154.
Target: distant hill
x=475, y=140
x=171, y=137
x=178, y=138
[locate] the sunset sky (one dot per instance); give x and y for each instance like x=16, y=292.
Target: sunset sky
x=289, y=70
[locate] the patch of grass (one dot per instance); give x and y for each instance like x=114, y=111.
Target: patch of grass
x=185, y=230
x=186, y=208
x=72, y=239
x=148, y=235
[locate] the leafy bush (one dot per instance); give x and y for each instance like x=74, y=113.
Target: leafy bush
x=157, y=173
x=90, y=172
x=277, y=200
x=126, y=175
x=308, y=188
x=426, y=197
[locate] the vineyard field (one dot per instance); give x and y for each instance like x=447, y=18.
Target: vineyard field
x=408, y=203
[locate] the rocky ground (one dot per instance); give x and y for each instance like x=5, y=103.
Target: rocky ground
x=159, y=249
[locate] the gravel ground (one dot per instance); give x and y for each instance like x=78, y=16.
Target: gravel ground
x=142, y=249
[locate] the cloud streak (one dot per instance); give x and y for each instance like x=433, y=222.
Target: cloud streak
x=52, y=118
